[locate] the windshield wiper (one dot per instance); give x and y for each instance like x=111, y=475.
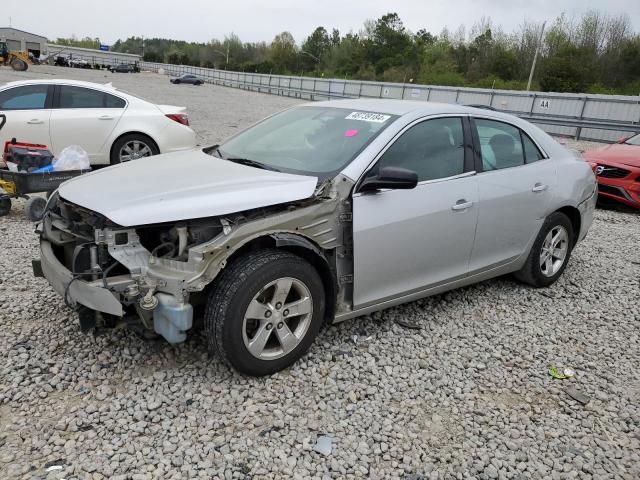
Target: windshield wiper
x=252, y=163
x=215, y=150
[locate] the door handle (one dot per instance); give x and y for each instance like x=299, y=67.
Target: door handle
x=462, y=205
x=35, y=121
x=539, y=187
x=106, y=117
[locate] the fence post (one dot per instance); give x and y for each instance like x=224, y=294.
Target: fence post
x=533, y=103
x=428, y=93
x=579, y=129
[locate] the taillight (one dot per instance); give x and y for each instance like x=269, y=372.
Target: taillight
x=181, y=118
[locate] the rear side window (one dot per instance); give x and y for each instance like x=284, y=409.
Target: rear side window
x=111, y=101
x=80, y=97
x=531, y=152
x=28, y=97
x=500, y=145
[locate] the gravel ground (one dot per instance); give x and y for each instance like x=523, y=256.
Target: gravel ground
x=466, y=396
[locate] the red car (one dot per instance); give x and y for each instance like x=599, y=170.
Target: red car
x=617, y=168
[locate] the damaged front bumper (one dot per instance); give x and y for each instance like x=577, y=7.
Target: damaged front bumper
x=91, y=294
x=131, y=296
x=171, y=318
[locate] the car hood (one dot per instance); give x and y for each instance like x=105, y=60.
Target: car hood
x=617, y=153
x=181, y=186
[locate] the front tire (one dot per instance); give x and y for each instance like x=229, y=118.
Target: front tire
x=550, y=252
x=264, y=312
x=131, y=147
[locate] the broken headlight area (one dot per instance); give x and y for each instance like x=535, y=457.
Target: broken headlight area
x=145, y=268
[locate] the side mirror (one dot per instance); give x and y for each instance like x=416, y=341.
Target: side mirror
x=622, y=139
x=394, y=178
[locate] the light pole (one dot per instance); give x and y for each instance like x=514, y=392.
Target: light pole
x=304, y=52
x=226, y=55
x=535, y=57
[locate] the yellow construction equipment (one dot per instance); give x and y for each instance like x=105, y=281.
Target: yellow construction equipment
x=17, y=60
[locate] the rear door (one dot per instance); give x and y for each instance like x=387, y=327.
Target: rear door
x=27, y=109
x=408, y=240
x=85, y=117
x=516, y=182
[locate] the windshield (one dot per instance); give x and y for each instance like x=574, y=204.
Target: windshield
x=317, y=141
x=635, y=140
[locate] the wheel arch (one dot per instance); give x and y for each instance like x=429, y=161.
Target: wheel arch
x=132, y=132
x=574, y=217
x=304, y=248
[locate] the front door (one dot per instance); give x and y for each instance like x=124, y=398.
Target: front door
x=27, y=114
x=408, y=240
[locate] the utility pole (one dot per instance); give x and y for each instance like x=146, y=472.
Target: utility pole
x=142, y=47
x=535, y=56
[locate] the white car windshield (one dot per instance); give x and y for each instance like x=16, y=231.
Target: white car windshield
x=316, y=141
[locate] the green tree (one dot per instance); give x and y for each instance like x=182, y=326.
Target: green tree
x=283, y=53
x=564, y=72
x=314, y=48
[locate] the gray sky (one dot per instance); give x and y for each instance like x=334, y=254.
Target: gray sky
x=255, y=20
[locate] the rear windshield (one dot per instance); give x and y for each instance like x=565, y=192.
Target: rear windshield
x=317, y=141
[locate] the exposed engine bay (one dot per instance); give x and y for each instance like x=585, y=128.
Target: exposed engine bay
x=160, y=273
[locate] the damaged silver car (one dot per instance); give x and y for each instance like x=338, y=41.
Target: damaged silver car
x=320, y=213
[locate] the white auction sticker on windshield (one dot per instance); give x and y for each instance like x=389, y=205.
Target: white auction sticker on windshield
x=368, y=117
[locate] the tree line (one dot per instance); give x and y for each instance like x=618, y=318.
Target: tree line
x=595, y=53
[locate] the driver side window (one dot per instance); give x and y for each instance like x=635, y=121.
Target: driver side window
x=433, y=149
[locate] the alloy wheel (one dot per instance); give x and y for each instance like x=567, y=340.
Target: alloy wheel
x=277, y=318
x=133, y=150
x=554, y=251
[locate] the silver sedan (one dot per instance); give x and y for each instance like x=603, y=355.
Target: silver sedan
x=320, y=213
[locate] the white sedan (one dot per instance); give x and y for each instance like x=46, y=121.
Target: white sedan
x=112, y=126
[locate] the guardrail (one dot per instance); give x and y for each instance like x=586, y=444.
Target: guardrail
x=586, y=116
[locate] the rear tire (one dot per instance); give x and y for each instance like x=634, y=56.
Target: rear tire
x=146, y=148
x=269, y=295
x=550, y=252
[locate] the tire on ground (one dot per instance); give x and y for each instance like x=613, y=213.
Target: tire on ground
x=34, y=209
x=236, y=287
x=124, y=139
x=5, y=206
x=531, y=271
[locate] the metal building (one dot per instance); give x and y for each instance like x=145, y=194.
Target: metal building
x=23, y=41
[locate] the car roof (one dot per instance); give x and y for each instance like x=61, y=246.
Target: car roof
x=79, y=83
x=404, y=107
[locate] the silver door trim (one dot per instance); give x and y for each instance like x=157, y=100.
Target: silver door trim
x=511, y=265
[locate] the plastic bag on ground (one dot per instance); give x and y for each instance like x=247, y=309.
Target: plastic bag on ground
x=72, y=158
